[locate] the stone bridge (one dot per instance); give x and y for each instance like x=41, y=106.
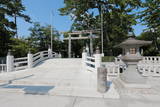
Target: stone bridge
x=65, y=76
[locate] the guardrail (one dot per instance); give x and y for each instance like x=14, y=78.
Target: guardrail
x=151, y=59
x=40, y=56
x=14, y=64
x=36, y=58
x=91, y=63
x=149, y=69
x=20, y=63
x=113, y=69
x=146, y=59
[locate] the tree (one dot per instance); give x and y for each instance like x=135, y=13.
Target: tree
x=8, y=26
x=40, y=37
x=150, y=16
x=117, y=14
x=16, y=8
x=151, y=49
x=20, y=47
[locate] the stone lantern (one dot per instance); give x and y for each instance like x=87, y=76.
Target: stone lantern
x=131, y=56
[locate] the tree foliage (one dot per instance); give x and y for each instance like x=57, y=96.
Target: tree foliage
x=20, y=47
x=17, y=8
x=118, y=18
x=8, y=8
x=40, y=37
x=150, y=16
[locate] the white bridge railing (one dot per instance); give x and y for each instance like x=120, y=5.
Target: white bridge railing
x=20, y=63
x=148, y=66
x=149, y=70
x=151, y=59
x=112, y=69
x=91, y=63
x=14, y=64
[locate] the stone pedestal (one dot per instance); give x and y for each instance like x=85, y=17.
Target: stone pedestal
x=131, y=78
x=131, y=75
x=102, y=80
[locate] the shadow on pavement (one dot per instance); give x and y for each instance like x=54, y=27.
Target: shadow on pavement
x=28, y=89
x=10, y=81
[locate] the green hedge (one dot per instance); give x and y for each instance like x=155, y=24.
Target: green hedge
x=108, y=59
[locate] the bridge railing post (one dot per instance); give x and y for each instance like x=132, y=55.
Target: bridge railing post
x=10, y=62
x=49, y=53
x=98, y=58
x=41, y=56
x=59, y=55
x=30, y=60
x=84, y=57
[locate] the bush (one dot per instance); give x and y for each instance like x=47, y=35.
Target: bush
x=108, y=59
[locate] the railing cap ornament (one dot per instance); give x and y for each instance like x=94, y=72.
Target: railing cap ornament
x=9, y=52
x=49, y=47
x=29, y=51
x=97, y=50
x=84, y=49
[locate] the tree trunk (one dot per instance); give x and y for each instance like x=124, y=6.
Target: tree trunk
x=15, y=21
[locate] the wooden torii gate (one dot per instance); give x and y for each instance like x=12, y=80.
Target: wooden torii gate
x=80, y=33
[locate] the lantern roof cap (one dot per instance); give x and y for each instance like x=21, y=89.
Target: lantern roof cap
x=132, y=41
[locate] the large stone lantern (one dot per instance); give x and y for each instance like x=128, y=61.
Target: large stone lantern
x=131, y=56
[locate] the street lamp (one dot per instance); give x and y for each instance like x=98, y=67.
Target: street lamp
x=51, y=30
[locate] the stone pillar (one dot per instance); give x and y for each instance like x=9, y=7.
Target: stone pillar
x=98, y=58
x=87, y=50
x=69, y=47
x=102, y=80
x=49, y=52
x=10, y=62
x=41, y=56
x=84, y=57
x=91, y=44
x=142, y=51
x=30, y=60
x=138, y=51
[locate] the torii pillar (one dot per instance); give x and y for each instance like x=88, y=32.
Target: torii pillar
x=69, y=47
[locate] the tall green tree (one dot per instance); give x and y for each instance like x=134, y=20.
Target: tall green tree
x=20, y=47
x=118, y=18
x=8, y=8
x=150, y=16
x=151, y=49
x=40, y=37
x=6, y=27
x=17, y=8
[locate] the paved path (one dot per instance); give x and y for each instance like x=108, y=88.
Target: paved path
x=9, y=99
x=47, y=85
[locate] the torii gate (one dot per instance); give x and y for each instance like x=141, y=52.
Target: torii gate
x=79, y=33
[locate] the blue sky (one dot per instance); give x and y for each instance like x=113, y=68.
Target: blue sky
x=40, y=11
